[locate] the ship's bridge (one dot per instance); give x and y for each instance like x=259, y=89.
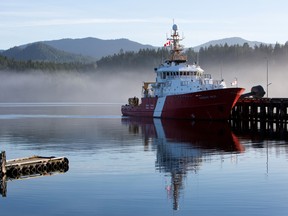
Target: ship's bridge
x=172, y=70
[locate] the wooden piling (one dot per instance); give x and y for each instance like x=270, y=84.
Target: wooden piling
x=264, y=113
x=3, y=163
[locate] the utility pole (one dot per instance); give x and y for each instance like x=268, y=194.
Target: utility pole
x=267, y=77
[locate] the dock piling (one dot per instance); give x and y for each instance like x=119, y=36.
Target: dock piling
x=265, y=113
x=3, y=163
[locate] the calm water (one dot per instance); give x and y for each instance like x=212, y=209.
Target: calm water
x=122, y=166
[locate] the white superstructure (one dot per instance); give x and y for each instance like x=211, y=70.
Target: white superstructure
x=176, y=76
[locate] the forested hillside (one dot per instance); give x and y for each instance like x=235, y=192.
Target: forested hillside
x=7, y=64
x=43, y=52
x=218, y=54
x=150, y=58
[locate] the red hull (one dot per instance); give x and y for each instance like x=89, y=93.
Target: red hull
x=212, y=104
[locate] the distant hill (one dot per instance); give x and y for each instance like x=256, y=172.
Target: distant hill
x=229, y=41
x=42, y=52
x=95, y=47
x=92, y=49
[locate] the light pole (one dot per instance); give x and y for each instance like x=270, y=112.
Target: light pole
x=267, y=77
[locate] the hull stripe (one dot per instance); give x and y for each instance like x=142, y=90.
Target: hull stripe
x=159, y=128
x=159, y=107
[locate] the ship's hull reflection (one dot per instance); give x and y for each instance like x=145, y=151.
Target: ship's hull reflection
x=203, y=135
x=182, y=146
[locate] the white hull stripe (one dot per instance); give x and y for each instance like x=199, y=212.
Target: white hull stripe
x=159, y=106
x=159, y=129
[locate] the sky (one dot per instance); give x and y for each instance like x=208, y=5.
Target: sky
x=146, y=22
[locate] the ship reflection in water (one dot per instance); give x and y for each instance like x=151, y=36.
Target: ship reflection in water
x=182, y=146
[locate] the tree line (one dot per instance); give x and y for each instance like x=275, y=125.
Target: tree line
x=149, y=58
x=8, y=64
x=206, y=56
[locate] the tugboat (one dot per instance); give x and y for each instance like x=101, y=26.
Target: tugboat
x=183, y=91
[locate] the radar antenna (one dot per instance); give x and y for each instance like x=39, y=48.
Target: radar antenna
x=176, y=51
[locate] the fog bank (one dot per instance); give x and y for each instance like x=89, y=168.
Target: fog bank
x=249, y=75
x=70, y=86
x=117, y=86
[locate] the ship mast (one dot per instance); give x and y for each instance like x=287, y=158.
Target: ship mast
x=176, y=51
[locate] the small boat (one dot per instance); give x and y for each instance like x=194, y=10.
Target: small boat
x=183, y=91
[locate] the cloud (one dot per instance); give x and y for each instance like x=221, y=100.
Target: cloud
x=24, y=19
x=81, y=21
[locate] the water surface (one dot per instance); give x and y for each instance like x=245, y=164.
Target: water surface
x=128, y=166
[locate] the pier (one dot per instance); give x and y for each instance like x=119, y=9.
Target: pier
x=29, y=167
x=265, y=114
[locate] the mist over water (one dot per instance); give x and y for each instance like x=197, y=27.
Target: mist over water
x=108, y=87
x=117, y=86
x=249, y=75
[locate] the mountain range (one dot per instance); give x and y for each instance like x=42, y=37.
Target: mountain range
x=91, y=49
x=229, y=41
x=95, y=47
x=42, y=52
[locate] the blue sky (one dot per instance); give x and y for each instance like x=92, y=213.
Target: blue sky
x=146, y=22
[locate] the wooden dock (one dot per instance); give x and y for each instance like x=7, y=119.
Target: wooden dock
x=263, y=113
x=32, y=165
x=29, y=167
